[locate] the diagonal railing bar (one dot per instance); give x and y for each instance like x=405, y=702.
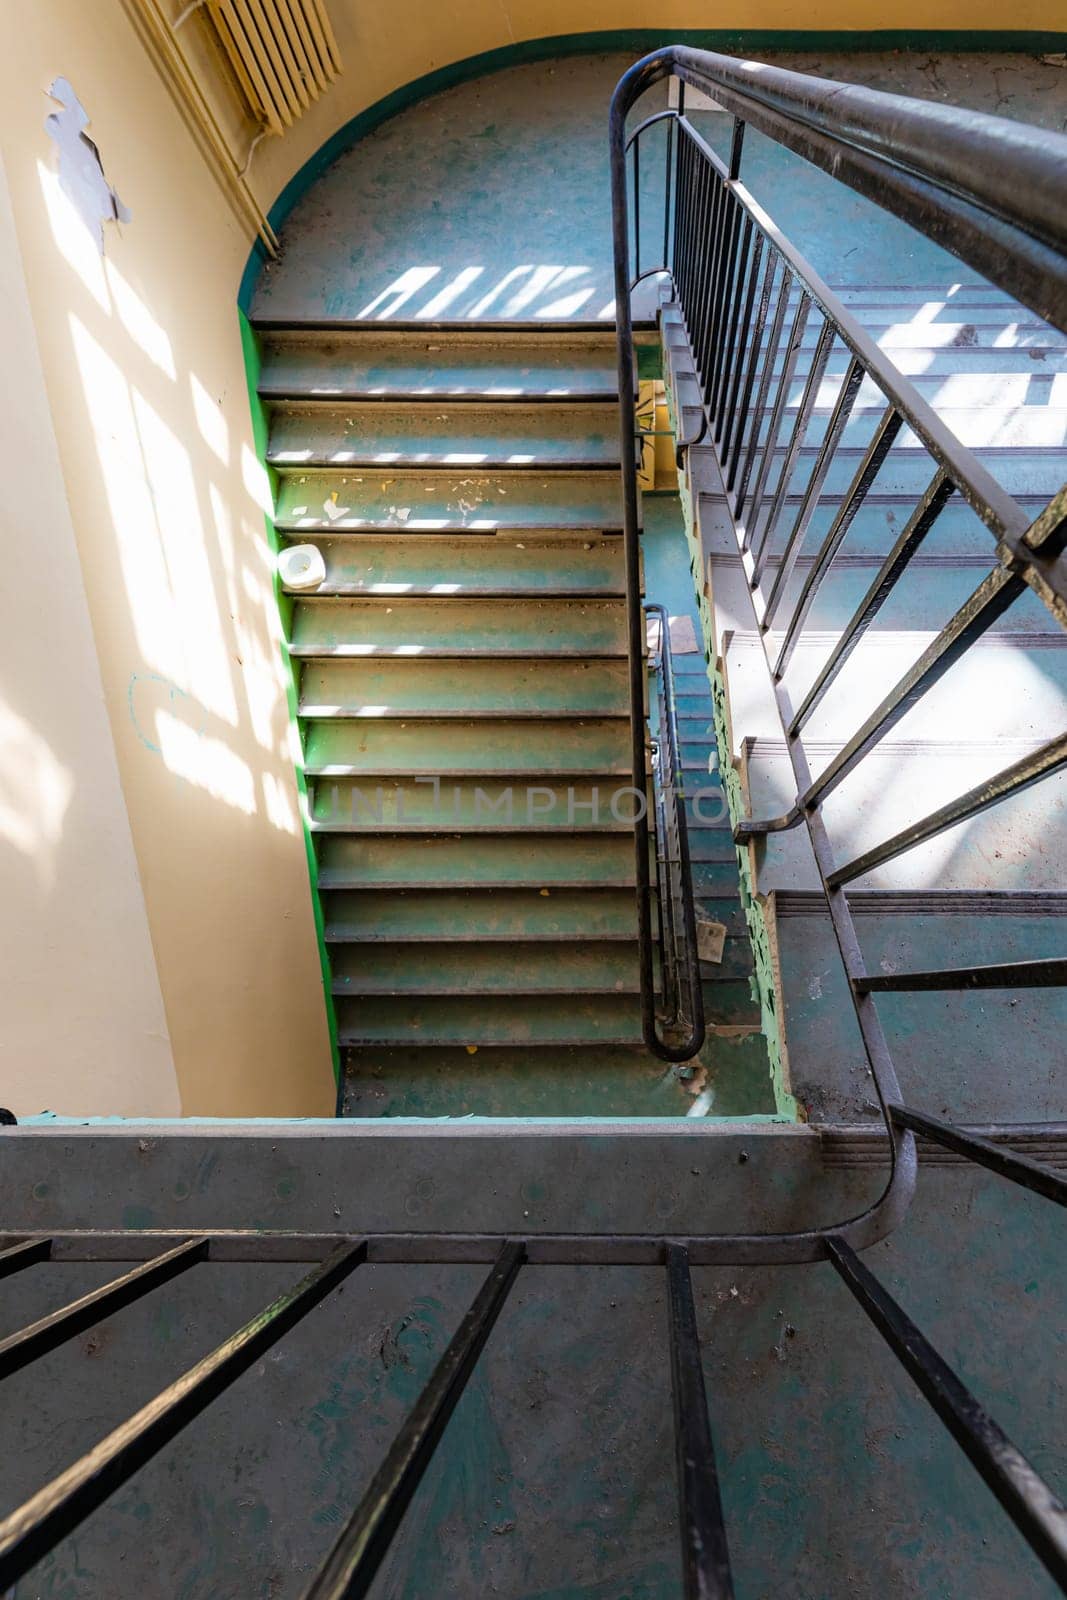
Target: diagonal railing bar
x=38, y=1525
x=974, y=618
x=1037, y=1512
x=48, y=1333
x=1032, y=1175
x=705, y=1553
x=1038, y=974
x=918, y=526
x=27, y=1253
x=1030, y=769
x=353, y=1563
x=839, y=419
x=884, y=437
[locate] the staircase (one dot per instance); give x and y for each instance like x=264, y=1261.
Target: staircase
x=465, y=706
x=992, y=889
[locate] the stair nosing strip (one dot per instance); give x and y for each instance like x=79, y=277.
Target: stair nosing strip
x=533, y=398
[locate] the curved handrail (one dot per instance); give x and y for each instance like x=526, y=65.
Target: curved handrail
x=990, y=190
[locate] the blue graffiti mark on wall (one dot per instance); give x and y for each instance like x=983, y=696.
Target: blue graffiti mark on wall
x=173, y=694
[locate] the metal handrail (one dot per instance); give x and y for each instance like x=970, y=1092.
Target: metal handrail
x=986, y=188
x=678, y=941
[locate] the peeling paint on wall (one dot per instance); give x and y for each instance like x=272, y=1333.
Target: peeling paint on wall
x=81, y=171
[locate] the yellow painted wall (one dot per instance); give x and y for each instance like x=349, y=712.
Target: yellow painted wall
x=142, y=363
x=82, y=1025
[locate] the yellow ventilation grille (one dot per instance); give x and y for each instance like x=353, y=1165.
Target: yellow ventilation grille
x=283, y=53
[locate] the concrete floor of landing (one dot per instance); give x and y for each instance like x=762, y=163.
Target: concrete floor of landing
x=425, y=218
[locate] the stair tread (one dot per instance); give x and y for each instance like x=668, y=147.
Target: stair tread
x=414, y=436
x=441, y=747
x=488, y=687
x=503, y=860
x=387, y=626
x=477, y=915
x=452, y=501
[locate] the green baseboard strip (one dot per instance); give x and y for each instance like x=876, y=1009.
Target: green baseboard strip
x=260, y=431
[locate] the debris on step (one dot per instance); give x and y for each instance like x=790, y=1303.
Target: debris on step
x=711, y=939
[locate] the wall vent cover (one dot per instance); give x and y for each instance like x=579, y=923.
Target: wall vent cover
x=283, y=53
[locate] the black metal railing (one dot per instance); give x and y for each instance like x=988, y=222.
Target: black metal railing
x=760, y=323
x=681, y=1007
x=57, y=1509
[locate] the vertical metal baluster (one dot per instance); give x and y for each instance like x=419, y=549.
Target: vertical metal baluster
x=732, y=457
x=668, y=190
x=637, y=210
x=717, y=322
x=705, y=1554
x=710, y=197
x=699, y=223
x=725, y=321
x=835, y=427
x=785, y=378
x=770, y=359
x=737, y=139
x=820, y=357
x=731, y=352
x=685, y=203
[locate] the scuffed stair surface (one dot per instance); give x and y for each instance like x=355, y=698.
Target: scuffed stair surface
x=464, y=696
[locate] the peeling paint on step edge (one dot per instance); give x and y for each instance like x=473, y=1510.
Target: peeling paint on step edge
x=766, y=975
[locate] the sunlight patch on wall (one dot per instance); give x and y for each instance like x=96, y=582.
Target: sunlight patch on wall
x=35, y=792
x=206, y=762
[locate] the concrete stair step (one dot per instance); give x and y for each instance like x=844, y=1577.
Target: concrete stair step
x=981, y=399
x=905, y=474
x=929, y=593
x=456, y=501
x=576, y=1081
x=1019, y=424
x=500, y=861
x=377, y=688
x=429, y=1019
x=976, y=333
x=983, y=1056
x=436, y=363
x=413, y=564
x=384, y=626
x=479, y=804
x=514, y=1019
x=415, y=435
x=442, y=748
x=957, y=531
x=489, y=969
x=1007, y=686
x=894, y=294
x=374, y=916
x=1021, y=844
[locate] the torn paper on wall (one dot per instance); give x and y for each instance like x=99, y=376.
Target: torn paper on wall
x=81, y=171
